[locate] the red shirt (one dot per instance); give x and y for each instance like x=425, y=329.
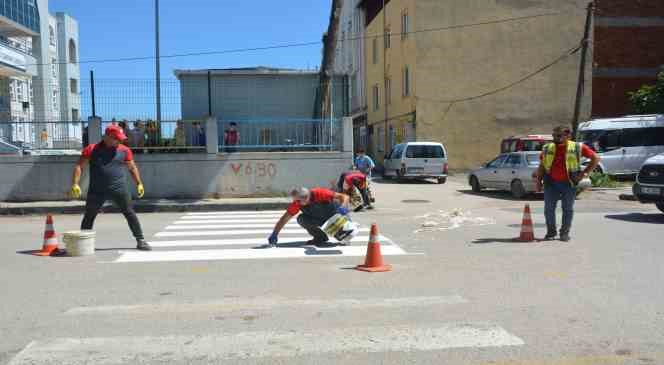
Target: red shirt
x=355, y=175
x=318, y=195
x=559, y=168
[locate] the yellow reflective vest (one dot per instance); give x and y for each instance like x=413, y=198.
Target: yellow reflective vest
x=572, y=157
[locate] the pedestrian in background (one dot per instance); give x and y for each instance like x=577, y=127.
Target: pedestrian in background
x=231, y=138
x=364, y=163
x=137, y=136
x=560, y=171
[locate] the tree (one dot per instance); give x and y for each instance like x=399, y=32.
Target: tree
x=649, y=99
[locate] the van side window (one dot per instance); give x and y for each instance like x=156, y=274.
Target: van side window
x=634, y=137
x=610, y=140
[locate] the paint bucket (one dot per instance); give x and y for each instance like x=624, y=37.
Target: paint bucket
x=341, y=228
x=79, y=243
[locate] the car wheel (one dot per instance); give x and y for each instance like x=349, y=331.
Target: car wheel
x=517, y=189
x=442, y=180
x=598, y=170
x=399, y=176
x=660, y=206
x=475, y=184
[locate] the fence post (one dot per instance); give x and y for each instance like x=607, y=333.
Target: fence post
x=94, y=130
x=211, y=135
x=347, y=133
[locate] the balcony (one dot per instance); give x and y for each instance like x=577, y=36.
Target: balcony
x=10, y=28
x=14, y=62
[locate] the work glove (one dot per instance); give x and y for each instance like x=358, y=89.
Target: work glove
x=75, y=191
x=140, y=190
x=342, y=210
x=273, y=239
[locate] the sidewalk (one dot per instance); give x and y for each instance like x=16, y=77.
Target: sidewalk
x=148, y=206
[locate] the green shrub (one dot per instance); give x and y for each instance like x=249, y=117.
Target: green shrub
x=600, y=180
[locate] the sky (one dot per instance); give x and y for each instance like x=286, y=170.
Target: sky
x=125, y=28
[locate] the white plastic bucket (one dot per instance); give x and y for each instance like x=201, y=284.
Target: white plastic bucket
x=80, y=243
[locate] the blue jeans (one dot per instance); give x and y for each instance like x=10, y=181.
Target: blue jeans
x=554, y=191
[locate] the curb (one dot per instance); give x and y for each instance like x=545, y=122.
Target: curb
x=146, y=208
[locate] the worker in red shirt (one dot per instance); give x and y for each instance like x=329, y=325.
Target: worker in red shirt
x=316, y=205
x=109, y=160
x=355, y=179
x=559, y=172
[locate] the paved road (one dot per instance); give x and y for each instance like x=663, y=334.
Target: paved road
x=461, y=292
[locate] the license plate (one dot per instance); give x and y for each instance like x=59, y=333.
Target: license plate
x=650, y=191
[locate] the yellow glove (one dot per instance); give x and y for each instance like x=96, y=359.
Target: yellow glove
x=140, y=190
x=75, y=191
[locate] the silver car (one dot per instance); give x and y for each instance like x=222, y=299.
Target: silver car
x=509, y=171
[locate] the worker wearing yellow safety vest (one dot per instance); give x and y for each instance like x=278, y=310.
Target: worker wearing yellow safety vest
x=559, y=172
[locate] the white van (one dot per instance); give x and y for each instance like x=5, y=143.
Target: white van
x=624, y=143
x=417, y=160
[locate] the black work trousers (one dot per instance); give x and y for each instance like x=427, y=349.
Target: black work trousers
x=122, y=200
x=313, y=217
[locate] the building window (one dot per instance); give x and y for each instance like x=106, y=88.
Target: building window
x=388, y=91
x=51, y=35
x=380, y=139
x=405, y=24
x=72, y=51
x=73, y=86
x=54, y=68
x=388, y=38
x=375, y=50
x=75, y=116
x=406, y=81
x=376, y=98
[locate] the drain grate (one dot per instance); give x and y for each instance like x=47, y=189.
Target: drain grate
x=415, y=201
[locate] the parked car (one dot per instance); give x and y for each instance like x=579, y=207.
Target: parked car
x=417, y=160
x=509, y=171
x=531, y=142
x=625, y=143
x=649, y=186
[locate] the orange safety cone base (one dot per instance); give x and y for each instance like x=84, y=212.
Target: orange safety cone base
x=382, y=268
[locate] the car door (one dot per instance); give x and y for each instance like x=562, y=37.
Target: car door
x=434, y=160
x=509, y=170
x=491, y=178
x=612, y=151
x=393, y=162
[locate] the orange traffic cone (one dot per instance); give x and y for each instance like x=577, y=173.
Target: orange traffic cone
x=374, y=259
x=50, y=240
x=527, y=232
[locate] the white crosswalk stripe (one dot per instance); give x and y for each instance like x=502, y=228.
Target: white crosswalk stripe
x=208, y=236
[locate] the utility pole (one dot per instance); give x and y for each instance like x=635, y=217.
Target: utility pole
x=158, y=73
x=582, y=69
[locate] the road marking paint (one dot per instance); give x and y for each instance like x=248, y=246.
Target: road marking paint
x=235, y=225
x=231, y=232
x=213, y=221
x=246, y=254
x=255, y=212
x=263, y=344
x=236, y=216
x=249, y=241
x=257, y=304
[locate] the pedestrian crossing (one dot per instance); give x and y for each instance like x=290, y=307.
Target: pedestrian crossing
x=239, y=235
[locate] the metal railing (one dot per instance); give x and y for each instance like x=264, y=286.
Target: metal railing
x=149, y=136
x=284, y=135
x=62, y=137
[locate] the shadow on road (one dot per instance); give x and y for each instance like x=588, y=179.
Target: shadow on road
x=653, y=218
x=503, y=195
x=382, y=180
x=483, y=241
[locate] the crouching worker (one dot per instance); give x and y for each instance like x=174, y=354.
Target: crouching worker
x=351, y=183
x=317, y=206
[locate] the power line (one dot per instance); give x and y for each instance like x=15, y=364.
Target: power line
x=568, y=53
x=302, y=44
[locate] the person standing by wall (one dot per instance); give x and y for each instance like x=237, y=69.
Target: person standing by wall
x=231, y=138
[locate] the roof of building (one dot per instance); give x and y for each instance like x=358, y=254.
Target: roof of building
x=258, y=70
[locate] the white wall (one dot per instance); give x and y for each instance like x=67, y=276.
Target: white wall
x=349, y=58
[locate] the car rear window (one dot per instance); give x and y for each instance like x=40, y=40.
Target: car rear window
x=418, y=151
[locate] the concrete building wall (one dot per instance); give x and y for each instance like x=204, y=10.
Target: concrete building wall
x=392, y=121
x=628, y=52
x=466, y=62
x=349, y=58
x=70, y=100
x=181, y=176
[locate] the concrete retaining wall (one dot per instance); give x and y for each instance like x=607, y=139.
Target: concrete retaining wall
x=43, y=178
